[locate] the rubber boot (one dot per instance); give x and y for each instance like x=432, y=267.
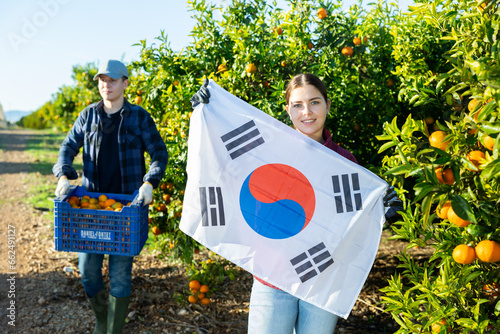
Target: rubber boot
x=117, y=313
x=100, y=308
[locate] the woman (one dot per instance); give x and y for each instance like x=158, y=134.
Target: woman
x=273, y=310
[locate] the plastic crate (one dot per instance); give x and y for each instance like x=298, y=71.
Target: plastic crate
x=100, y=231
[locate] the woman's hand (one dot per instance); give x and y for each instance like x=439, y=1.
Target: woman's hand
x=392, y=203
x=202, y=96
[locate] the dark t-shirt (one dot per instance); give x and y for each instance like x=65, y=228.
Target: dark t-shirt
x=109, y=160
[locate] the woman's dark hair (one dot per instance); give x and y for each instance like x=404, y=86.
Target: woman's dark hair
x=305, y=79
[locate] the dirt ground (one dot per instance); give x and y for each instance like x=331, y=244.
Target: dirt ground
x=45, y=289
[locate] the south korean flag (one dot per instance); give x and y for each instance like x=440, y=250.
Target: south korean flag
x=279, y=204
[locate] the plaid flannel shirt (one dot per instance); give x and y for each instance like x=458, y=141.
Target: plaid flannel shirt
x=137, y=133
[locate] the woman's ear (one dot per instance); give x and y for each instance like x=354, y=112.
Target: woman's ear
x=328, y=104
x=288, y=112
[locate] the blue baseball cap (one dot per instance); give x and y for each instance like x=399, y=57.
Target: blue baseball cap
x=114, y=68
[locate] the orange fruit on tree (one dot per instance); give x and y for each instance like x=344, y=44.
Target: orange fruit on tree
x=464, y=254
x=436, y=327
x=389, y=82
x=204, y=288
x=482, y=6
x=194, y=285
x=192, y=299
x=138, y=99
x=251, y=68
x=283, y=63
x=169, y=186
x=445, y=176
x=205, y=301
x=162, y=207
x=356, y=41
x=176, y=83
x=310, y=45
x=448, y=176
x=322, y=13
x=476, y=115
x=429, y=120
x=347, y=51
x=167, y=198
x=222, y=68
x=475, y=157
x=488, y=251
x=455, y=219
x=436, y=140
x=443, y=211
x=156, y=230
x=278, y=30
x=472, y=105
x=489, y=142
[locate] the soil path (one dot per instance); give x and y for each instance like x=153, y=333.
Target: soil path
x=47, y=297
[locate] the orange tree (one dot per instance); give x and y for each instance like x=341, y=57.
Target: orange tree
x=447, y=61
x=62, y=110
x=252, y=51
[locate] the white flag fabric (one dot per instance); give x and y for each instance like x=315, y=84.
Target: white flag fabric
x=279, y=204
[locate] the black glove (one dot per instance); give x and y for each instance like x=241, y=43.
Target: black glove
x=392, y=203
x=201, y=96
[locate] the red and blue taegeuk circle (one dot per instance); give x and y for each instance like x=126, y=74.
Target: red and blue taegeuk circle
x=277, y=201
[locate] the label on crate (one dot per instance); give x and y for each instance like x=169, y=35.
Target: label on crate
x=96, y=235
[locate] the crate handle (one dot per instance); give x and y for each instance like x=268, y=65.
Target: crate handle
x=63, y=197
x=135, y=201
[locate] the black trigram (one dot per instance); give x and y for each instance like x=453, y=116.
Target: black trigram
x=212, y=208
x=312, y=262
x=242, y=139
x=346, y=201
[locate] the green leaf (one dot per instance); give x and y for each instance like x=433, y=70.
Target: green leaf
x=477, y=231
x=423, y=189
x=426, y=208
x=386, y=146
x=398, y=170
x=384, y=137
x=462, y=208
x=492, y=170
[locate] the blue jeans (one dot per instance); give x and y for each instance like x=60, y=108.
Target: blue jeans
x=274, y=311
x=120, y=274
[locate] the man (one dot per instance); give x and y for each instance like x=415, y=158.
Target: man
x=114, y=135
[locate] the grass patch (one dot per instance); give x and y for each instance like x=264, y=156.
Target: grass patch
x=41, y=193
x=44, y=148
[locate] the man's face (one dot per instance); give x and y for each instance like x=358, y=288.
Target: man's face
x=112, y=90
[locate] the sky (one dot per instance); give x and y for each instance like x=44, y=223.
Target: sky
x=41, y=40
